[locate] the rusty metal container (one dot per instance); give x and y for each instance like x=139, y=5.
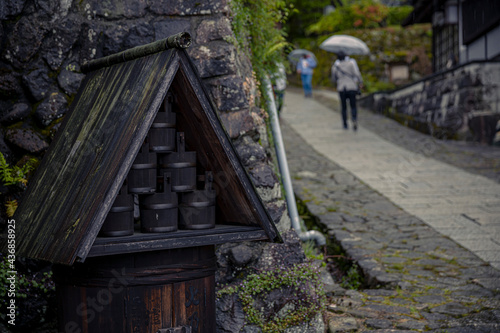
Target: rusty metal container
x=181, y=165
x=159, y=211
x=142, y=174
x=162, y=131
x=120, y=219
x=197, y=208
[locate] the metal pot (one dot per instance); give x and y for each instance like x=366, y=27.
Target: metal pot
x=162, y=131
x=142, y=174
x=159, y=211
x=181, y=165
x=120, y=219
x=197, y=208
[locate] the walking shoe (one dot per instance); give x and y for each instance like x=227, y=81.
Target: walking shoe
x=355, y=125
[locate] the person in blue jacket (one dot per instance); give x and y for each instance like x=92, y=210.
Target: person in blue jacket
x=305, y=67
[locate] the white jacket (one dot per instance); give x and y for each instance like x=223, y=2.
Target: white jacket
x=346, y=74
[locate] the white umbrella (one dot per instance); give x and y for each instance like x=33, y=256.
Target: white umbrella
x=295, y=55
x=345, y=44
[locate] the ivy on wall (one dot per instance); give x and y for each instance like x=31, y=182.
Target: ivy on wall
x=256, y=25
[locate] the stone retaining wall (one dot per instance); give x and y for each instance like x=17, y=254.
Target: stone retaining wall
x=462, y=103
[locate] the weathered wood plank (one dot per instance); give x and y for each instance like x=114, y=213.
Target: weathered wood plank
x=194, y=304
x=149, y=242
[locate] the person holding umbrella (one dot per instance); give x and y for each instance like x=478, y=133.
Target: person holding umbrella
x=345, y=73
x=305, y=67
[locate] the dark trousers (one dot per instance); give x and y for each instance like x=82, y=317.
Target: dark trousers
x=344, y=96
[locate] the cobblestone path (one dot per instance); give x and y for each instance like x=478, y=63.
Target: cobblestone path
x=418, y=279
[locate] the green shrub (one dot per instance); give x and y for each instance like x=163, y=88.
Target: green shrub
x=411, y=45
x=364, y=14
x=397, y=15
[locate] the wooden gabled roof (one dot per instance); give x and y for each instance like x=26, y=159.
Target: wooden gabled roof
x=73, y=189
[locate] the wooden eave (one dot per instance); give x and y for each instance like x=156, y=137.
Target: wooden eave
x=73, y=189
x=422, y=13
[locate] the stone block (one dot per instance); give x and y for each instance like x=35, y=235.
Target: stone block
x=6, y=151
x=210, y=30
x=237, y=123
x=10, y=87
x=113, y=10
x=453, y=309
x=31, y=32
x=70, y=81
x=230, y=316
x=113, y=37
x=60, y=41
x=26, y=139
x=248, y=150
x=38, y=83
x=288, y=253
x=342, y=324
x=52, y=108
x=263, y=175
x=11, y=8
x=214, y=59
x=188, y=7
x=228, y=93
x=166, y=28
x=139, y=34
x=241, y=255
x=16, y=113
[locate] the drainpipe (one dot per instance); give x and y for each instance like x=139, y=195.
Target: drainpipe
x=317, y=236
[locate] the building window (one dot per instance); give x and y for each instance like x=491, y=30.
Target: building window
x=445, y=47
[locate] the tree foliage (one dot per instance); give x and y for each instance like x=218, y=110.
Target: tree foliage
x=411, y=45
x=363, y=14
x=303, y=14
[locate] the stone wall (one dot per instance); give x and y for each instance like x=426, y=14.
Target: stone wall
x=44, y=42
x=462, y=103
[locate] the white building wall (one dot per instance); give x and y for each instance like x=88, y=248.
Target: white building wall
x=477, y=49
x=493, y=40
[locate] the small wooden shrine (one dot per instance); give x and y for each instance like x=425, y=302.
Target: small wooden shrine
x=138, y=186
